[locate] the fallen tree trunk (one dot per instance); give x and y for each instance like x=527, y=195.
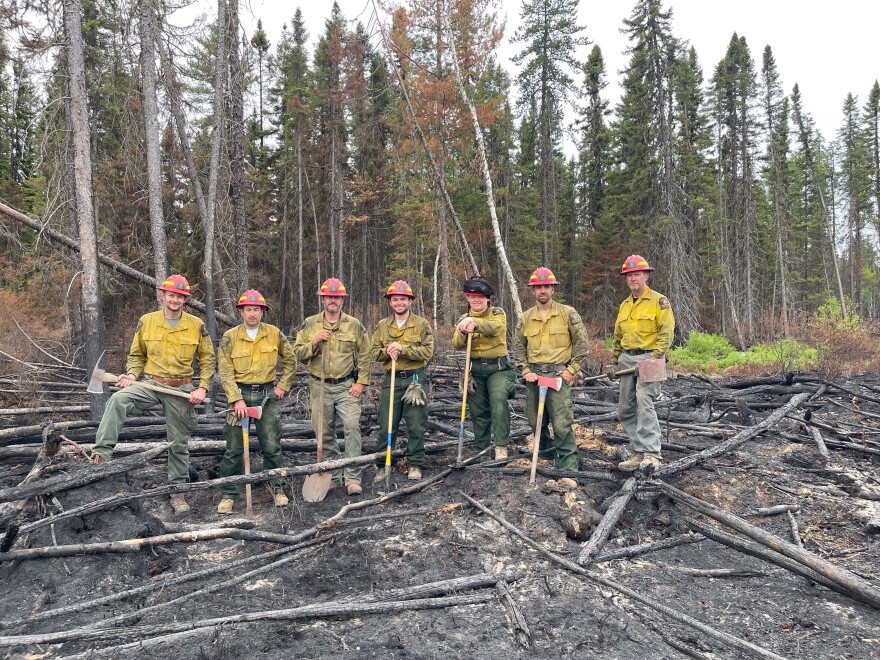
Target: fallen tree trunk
x=609, y=520
x=855, y=586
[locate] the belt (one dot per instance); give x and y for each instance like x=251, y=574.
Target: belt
x=500, y=361
x=637, y=352
x=255, y=387
x=333, y=381
x=171, y=382
x=547, y=367
x=405, y=374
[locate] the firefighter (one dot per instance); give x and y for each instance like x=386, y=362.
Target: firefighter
x=341, y=342
x=162, y=351
x=248, y=358
x=644, y=329
x=407, y=340
x=491, y=374
x=551, y=340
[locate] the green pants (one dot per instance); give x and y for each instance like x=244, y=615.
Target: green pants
x=416, y=416
x=268, y=430
x=490, y=413
x=636, y=408
x=559, y=412
x=180, y=421
x=338, y=405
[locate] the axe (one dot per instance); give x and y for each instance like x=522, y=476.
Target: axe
x=99, y=377
x=544, y=383
x=254, y=412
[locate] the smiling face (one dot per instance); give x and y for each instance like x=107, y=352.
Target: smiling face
x=400, y=304
x=332, y=305
x=172, y=303
x=251, y=315
x=637, y=282
x=543, y=293
x=477, y=302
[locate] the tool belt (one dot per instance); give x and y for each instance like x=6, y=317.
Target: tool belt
x=334, y=381
x=637, y=351
x=255, y=387
x=170, y=382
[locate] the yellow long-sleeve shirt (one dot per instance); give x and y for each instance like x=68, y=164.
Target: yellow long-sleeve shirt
x=560, y=338
x=347, y=349
x=645, y=323
x=160, y=350
x=415, y=336
x=490, y=337
x=254, y=361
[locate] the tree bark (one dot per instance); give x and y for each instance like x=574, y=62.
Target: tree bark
x=236, y=146
x=149, y=30
x=81, y=164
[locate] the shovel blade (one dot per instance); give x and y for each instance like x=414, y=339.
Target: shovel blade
x=315, y=487
x=652, y=370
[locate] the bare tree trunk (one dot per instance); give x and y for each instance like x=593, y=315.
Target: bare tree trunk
x=148, y=28
x=81, y=164
x=299, y=224
x=487, y=175
x=236, y=148
x=438, y=173
x=214, y=175
x=285, y=253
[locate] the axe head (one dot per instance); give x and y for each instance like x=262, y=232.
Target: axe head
x=652, y=370
x=554, y=383
x=96, y=384
x=255, y=412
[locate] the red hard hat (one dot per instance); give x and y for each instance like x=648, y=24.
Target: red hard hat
x=332, y=287
x=542, y=276
x=635, y=263
x=176, y=284
x=399, y=288
x=252, y=298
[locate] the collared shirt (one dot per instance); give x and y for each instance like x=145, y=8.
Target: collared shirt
x=490, y=337
x=254, y=361
x=415, y=336
x=160, y=350
x=560, y=338
x=645, y=323
x=347, y=348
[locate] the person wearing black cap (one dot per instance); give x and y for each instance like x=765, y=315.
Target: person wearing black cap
x=491, y=372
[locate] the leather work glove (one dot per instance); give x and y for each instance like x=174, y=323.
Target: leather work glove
x=415, y=394
x=611, y=370
x=472, y=387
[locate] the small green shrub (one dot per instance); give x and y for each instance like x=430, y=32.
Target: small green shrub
x=706, y=352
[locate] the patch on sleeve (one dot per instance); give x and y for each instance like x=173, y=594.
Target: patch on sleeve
x=574, y=317
x=138, y=327
x=225, y=341
x=664, y=303
x=204, y=331
x=497, y=311
x=283, y=337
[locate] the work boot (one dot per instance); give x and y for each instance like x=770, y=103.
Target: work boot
x=225, y=505
x=632, y=463
x=355, y=489
x=380, y=475
x=97, y=459
x=281, y=498
x=178, y=503
x=649, y=463
x=415, y=473
x=500, y=452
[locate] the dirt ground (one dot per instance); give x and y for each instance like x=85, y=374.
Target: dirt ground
x=567, y=615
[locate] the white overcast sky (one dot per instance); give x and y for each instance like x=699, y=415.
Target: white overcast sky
x=829, y=49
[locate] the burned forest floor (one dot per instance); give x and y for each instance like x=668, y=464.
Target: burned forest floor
x=94, y=565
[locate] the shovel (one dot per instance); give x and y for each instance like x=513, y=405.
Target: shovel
x=467, y=373
x=315, y=486
x=544, y=383
x=246, y=449
x=390, y=429
x=99, y=377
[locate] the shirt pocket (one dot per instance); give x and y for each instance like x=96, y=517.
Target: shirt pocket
x=345, y=344
x=156, y=344
x=241, y=360
x=646, y=322
x=187, y=348
x=268, y=356
x=559, y=337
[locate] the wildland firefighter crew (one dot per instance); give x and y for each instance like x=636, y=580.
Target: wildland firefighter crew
x=247, y=361
x=406, y=340
x=164, y=346
x=335, y=348
x=491, y=373
x=551, y=340
x=644, y=329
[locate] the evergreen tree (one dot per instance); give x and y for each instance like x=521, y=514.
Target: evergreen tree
x=551, y=34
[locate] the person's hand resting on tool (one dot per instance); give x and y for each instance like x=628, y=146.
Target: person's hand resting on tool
x=240, y=409
x=393, y=350
x=198, y=395
x=125, y=380
x=566, y=376
x=531, y=377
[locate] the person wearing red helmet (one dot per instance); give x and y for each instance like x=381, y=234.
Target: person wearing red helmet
x=341, y=342
x=164, y=346
x=491, y=372
x=247, y=360
x=551, y=340
x=407, y=340
x=644, y=329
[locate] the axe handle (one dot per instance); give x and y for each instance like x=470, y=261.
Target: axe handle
x=111, y=378
x=622, y=372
